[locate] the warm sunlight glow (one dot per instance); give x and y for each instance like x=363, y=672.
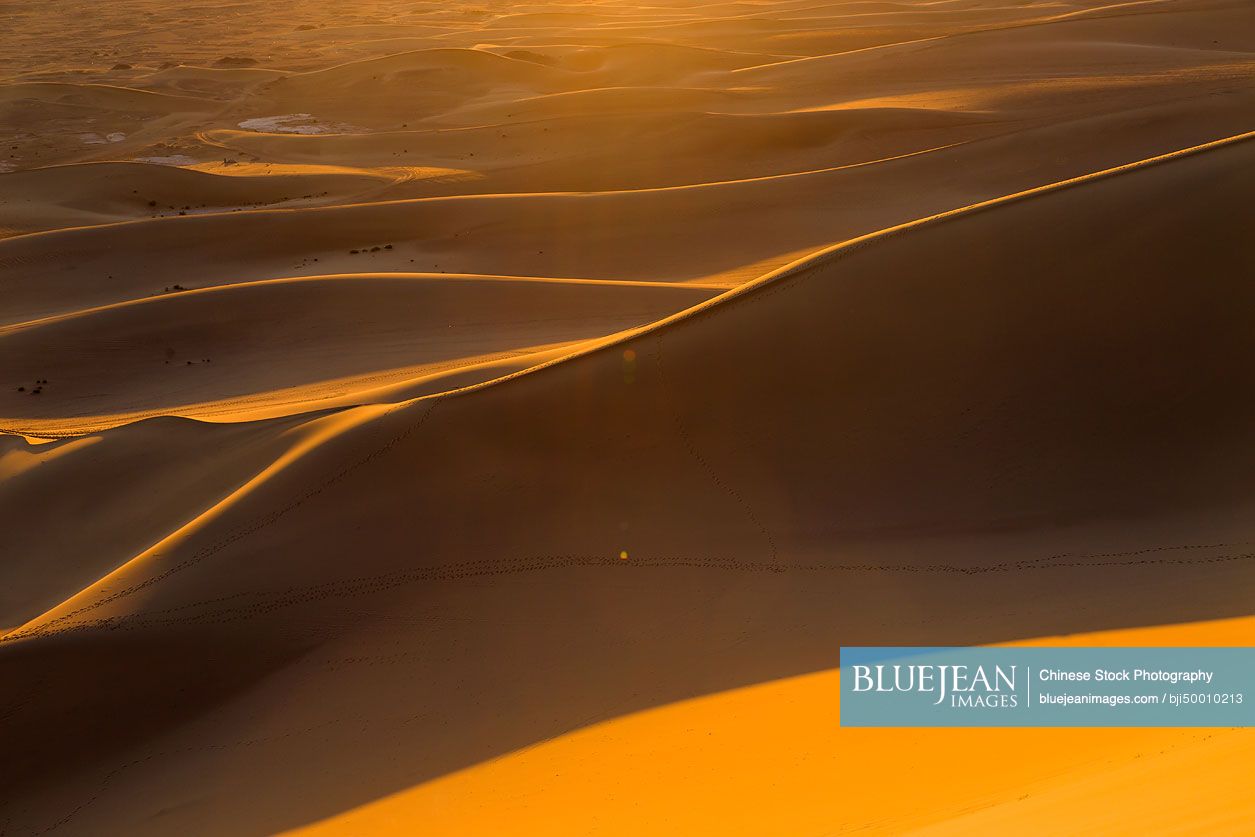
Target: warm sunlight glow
x=459, y=418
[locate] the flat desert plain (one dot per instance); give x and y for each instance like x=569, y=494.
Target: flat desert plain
x=492, y=418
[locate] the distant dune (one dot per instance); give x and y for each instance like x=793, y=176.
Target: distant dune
x=458, y=420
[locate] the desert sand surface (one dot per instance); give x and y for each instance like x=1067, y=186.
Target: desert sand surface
x=454, y=418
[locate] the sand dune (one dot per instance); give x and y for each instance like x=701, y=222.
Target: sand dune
x=1067, y=769
x=614, y=151
x=102, y=96
x=244, y=350
x=710, y=235
x=189, y=466
x=965, y=462
x=214, y=82
x=424, y=83
x=455, y=419
x=87, y=194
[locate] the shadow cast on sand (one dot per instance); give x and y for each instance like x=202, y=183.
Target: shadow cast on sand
x=956, y=432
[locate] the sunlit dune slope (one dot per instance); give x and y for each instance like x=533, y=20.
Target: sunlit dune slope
x=1022, y=405
x=639, y=770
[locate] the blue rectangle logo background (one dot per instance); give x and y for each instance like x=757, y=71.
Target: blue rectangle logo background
x=1047, y=687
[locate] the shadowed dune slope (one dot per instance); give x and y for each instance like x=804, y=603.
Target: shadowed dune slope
x=101, y=193
x=601, y=152
x=105, y=96
x=484, y=418
x=148, y=479
x=285, y=346
x=1033, y=405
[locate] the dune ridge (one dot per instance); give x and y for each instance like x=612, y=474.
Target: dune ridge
x=454, y=419
x=126, y=361
x=773, y=552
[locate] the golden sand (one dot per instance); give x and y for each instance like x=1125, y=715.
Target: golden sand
x=469, y=419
